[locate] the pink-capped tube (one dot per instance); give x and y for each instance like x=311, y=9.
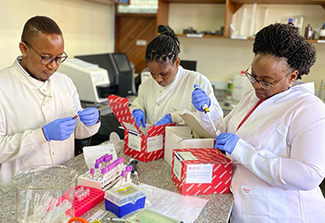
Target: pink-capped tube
x=123, y=180
x=97, y=162
x=92, y=172
x=128, y=170
x=106, y=159
x=123, y=174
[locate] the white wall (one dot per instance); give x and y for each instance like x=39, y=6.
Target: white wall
x=220, y=58
x=87, y=27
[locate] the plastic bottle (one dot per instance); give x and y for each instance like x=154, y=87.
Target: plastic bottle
x=240, y=86
x=229, y=89
x=308, y=32
x=322, y=32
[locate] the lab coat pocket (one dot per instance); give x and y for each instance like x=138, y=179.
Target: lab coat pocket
x=264, y=205
x=277, y=143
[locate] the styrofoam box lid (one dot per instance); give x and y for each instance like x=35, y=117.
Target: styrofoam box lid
x=127, y=193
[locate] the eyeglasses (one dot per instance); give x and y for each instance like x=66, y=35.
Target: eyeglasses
x=263, y=84
x=47, y=60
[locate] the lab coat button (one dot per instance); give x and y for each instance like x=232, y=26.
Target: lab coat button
x=53, y=153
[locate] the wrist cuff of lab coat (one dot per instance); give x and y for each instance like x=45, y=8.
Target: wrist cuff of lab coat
x=38, y=136
x=243, y=152
x=176, y=118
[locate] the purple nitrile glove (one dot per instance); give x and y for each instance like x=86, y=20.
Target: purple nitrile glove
x=139, y=117
x=165, y=120
x=226, y=142
x=59, y=129
x=200, y=98
x=89, y=116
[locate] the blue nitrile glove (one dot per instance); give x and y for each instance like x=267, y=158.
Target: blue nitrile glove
x=200, y=98
x=165, y=120
x=89, y=116
x=226, y=142
x=59, y=129
x=139, y=117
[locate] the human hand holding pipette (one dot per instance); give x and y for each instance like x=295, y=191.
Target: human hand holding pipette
x=201, y=102
x=200, y=99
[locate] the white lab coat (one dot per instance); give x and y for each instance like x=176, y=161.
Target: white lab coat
x=157, y=101
x=27, y=104
x=279, y=160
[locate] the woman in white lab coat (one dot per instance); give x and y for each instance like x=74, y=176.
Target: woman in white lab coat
x=168, y=91
x=275, y=135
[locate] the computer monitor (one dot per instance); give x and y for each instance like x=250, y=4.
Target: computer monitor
x=122, y=62
x=105, y=61
x=119, y=71
x=189, y=64
x=125, y=74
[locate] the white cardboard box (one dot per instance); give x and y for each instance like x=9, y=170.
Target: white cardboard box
x=179, y=137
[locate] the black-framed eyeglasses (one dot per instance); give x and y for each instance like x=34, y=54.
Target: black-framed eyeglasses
x=265, y=85
x=47, y=60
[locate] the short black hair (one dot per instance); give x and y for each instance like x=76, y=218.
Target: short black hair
x=285, y=41
x=164, y=47
x=37, y=25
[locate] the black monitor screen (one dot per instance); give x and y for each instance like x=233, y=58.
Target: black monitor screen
x=189, y=64
x=104, y=61
x=122, y=62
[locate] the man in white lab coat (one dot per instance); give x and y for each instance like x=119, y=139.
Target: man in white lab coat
x=167, y=93
x=39, y=106
x=275, y=135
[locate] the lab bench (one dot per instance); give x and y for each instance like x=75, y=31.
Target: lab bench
x=156, y=173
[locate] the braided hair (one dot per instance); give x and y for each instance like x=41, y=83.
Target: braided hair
x=37, y=25
x=284, y=41
x=163, y=48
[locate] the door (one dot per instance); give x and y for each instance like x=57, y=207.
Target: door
x=132, y=34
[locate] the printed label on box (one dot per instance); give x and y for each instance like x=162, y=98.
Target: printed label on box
x=177, y=166
x=155, y=143
x=134, y=141
x=187, y=156
x=126, y=190
x=198, y=173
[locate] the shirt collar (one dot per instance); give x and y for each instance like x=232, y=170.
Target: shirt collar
x=22, y=69
x=29, y=78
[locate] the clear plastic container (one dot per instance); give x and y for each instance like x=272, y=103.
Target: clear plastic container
x=45, y=194
x=124, y=199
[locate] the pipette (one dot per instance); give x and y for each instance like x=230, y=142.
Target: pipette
x=207, y=112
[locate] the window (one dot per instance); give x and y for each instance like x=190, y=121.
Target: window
x=139, y=6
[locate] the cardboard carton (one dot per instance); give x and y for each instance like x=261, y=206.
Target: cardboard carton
x=179, y=137
x=201, y=171
x=144, y=144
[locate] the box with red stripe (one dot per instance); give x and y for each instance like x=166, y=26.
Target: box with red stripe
x=201, y=171
x=145, y=144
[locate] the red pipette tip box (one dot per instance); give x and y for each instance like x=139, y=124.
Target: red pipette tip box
x=95, y=197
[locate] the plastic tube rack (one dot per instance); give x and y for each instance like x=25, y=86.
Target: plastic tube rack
x=105, y=173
